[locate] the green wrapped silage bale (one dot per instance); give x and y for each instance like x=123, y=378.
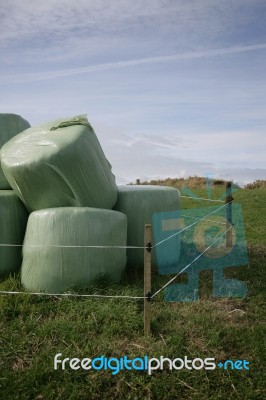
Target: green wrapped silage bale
x=139, y=203
x=13, y=218
x=59, y=164
x=50, y=265
x=10, y=125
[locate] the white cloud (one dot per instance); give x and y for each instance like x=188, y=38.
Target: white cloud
x=24, y=20
x=30, y=17
x=161, y=25
x=150, y=156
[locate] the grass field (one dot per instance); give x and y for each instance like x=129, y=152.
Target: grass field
x=34, y=329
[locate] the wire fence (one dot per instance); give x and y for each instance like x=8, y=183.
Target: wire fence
x=150, y=296
x=72, y=295
x=192, y=262
x=189, y=226
x=202, y=198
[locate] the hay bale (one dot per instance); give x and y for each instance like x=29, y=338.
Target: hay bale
x=139, y=203
x=51, y=268
x=59, y=164
x=13, y=216
x=10, y=125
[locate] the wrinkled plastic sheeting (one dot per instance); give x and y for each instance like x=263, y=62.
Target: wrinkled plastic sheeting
x=13, y=217
x=50, y=265
x=139, y=203
x=10, y=125
x=59, y=164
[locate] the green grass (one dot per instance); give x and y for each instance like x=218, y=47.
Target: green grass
x=34, y=329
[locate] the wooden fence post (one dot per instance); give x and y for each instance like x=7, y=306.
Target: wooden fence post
x=228, y=201
x=147, y=279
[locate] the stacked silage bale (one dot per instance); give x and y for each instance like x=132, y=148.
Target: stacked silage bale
x=13, y=215
x=10, y=125
x=139, y=203
x=59, y=251
x=59, y=171
x=59, y=164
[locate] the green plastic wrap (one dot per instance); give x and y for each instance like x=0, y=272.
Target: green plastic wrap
x=10, y=125
x=59, y=164
x=13, y=217
x=139, y=203
x=49, y=267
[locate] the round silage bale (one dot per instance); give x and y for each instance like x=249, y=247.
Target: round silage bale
x=59, y=164
x=55, y=256
x=13, y=217
x=10, y=125
x=139, y=203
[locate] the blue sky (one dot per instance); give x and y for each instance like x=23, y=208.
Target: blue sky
x=172, y=88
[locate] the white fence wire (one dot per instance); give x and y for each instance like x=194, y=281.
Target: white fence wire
x=6, y=292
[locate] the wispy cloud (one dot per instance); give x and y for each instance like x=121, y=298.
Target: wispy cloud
x=40, y=76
